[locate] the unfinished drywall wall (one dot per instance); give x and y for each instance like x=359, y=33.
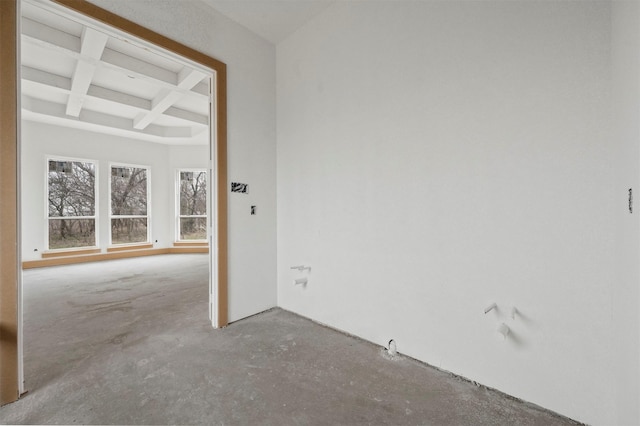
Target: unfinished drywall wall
x=436, y=157
x=41, y=141
x=251, y=135
x=626, y=140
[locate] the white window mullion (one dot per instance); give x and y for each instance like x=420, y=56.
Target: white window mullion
x=191, y=196
x=130, y=184
x=71, y=188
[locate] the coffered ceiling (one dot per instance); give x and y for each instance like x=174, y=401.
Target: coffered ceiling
x=79, y=76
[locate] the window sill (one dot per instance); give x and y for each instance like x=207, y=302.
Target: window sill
x=97, y=257
x=196, y=243
x=69, y=252
x=190, y=247
x=128, y=247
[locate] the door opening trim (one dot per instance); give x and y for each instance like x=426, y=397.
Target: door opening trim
x=9, y=250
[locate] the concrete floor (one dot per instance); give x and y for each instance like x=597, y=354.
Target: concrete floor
x=128, y=342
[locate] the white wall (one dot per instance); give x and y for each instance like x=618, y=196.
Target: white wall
x=42, y=141
x=251, y=135
x=435, y=157
x=625, y=141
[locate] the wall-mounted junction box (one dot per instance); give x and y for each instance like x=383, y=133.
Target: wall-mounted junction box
x=242, y=188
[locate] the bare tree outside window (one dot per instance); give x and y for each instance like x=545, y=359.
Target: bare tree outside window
x=193, y=205
x=71, y=204
x=129, y=214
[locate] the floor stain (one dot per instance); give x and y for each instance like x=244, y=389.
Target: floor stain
x=118, y=339
x=120, y=305
x=108, y=290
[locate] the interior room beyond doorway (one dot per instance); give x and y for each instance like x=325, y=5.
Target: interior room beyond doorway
x=119, y=133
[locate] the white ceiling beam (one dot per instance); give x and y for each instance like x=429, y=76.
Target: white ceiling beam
x=187, y=79
x=51, y=112
x=187, y=115
x=159, y=104
x=63, y=85
x=80, y=82
x=92, y=46
x=145, y=105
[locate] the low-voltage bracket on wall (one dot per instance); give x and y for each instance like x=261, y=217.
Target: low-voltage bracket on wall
x=241, y=188
x=301, y=268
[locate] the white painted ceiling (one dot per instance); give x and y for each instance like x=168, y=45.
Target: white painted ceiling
x=273, y=20
x=79, y=76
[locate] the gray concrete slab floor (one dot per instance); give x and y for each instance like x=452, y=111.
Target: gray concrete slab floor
x=129, y=342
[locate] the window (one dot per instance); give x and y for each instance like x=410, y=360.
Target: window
x=129, y=204
x=192, y=204
x=71, y=204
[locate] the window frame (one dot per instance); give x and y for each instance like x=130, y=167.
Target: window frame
x=96, y=203
x=113, y=164
x=179, y=216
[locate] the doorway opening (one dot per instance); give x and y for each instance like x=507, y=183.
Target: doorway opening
x=105, y=49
